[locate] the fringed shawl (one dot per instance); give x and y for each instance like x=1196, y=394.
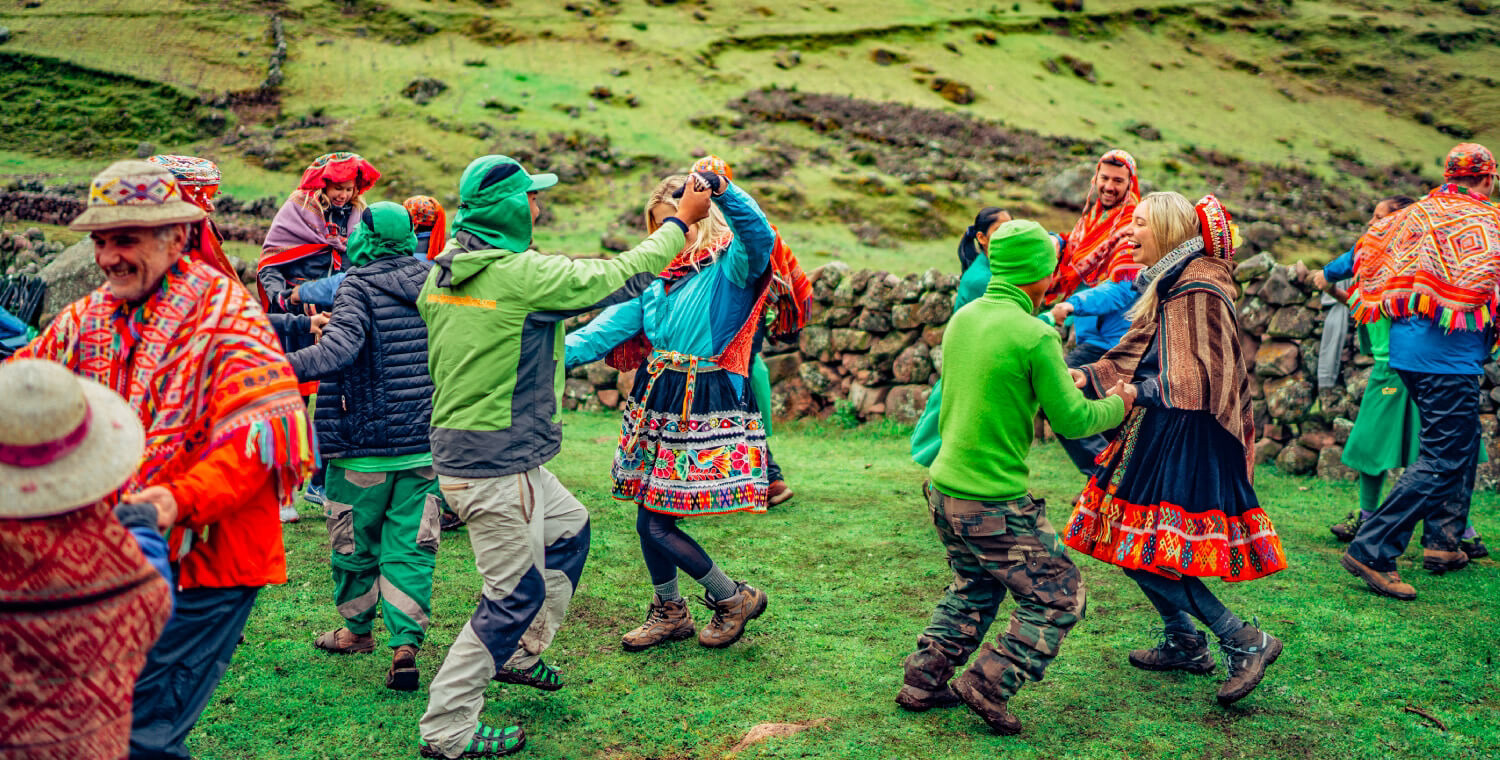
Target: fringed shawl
x=1438, y=258
x=791, y=292
x=201, y=366
x=1202, y=364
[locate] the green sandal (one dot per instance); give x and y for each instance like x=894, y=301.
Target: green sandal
x=488, y=741
x=541, y=676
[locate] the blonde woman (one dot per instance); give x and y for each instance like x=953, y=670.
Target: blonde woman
x=1173, y=502
x=692, y=442
x=308, y=237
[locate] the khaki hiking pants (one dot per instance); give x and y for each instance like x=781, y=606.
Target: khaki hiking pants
x=530, y=539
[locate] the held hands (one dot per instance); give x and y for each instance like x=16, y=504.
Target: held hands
x=1126, y=392
x=1060, y=313
x=1320, y=280
x=695, y=199
x=319, y=321
x=162, y=499
x=1079, y=379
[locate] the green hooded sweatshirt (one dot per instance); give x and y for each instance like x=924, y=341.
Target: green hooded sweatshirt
x=1000, y=364
x=384, y=230
x=494, y=313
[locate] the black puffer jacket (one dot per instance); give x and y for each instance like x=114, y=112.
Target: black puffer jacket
x=375, y=398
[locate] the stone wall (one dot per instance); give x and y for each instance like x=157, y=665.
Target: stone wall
x=873, y=346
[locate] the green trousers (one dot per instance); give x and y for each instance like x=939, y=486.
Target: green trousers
x=384, y=528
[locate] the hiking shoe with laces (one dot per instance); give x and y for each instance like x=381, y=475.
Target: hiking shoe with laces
x=1247, y=654
x=778, y=492
x=665, y=621
x=1177, y=651
x=1475, y=549
x=731, y=615
x=1439, y=562
x=1346, y=530
x=345, y=641
x=1386, y=584
x=917, y=699
x=488, y=741
x=539, y=676
x=403, y=675
x=994, y=712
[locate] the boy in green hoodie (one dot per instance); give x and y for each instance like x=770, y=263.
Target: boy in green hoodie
x=1000, y=365
x=494, y=311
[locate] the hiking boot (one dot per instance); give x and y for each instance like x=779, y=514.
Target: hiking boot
x=1177, y=651
x=665, y=621
x=488, y=741
x=916, y=699
x=539, y=676
x=993, y=711
x=731, y=615
x=345, y=641
x=778, y=493
x=1439, y=562
x=1475, y=549
x=1346, y=530
x=450, y=521
x=925, y=682
x=403, y=674
x=1386, y=584
x=1247, y=654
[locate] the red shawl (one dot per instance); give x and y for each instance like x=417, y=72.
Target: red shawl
x=1095, y=249
x=736, y=356
x=1438, y=258
x=791, y=292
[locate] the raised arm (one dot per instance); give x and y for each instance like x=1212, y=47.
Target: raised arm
x=746, y=261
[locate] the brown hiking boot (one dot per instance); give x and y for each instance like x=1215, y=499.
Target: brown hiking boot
x=993, y=711
x=345, y=641
x=403, y=674
x=778, y=492
x=731, y=615
x=1385, y=584
x=1247, y=654
x=917, y=699
x=1439, y=562
x=1177, y=651
x=665, y=621
x=1346, y=530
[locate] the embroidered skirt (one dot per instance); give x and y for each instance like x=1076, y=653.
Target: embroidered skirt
x=1174, y=499
x=711, y=462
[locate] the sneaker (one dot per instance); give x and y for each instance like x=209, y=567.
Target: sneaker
x=1439, y=562
x=488, y=741
x=916, y=699
x=289, y=514
x=778, y=493
x=1386, y=584
x=539, y=676
x=1475, y=549
x=1346, y=530
x=1247, y=654
x=1177, y=651
x=665, y=621
x=403, y=675
x=314, y=495
x=993, y=711
x=345, y=641
x=731, y=615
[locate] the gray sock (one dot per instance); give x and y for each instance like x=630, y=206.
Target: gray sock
x=1227, y=625
x=668, y=591
x=718, y=585
x=1180, y=623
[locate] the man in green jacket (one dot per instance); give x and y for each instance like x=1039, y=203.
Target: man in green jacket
x=1000, y=364
x=494, y=311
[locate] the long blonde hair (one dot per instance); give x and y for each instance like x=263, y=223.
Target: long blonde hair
x=710, y=230
x=1172, y=221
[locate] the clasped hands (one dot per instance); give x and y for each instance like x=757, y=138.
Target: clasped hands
x=1126, y=391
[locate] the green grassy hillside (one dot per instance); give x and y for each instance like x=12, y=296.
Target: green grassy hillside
x=1299, y=112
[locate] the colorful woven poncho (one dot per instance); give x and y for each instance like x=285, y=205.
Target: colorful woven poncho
x=1438, y=258
x=1094, y=252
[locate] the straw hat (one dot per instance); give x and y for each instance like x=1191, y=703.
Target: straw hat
x=65, y=442
x=135, y=194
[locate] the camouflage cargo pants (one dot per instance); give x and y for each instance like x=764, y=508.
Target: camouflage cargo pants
x=994, y=547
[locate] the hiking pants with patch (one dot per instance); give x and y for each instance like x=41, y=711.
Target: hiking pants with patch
x=1437, y=488
x=384, y=529
x=530, y=539
x=995, y=546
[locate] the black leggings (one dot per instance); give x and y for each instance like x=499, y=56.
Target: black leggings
x=666, y=547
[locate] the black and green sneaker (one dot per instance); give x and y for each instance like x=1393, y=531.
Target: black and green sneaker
x=540, y=676
x=488, y=741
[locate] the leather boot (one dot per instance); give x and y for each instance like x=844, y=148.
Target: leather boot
x=731, y=615
x=993, y=711
x=665, y=621
x=1386, y=584
x=1246, y=656
x=925, y=684
x=1439, y=562
x=403, y=675
x=1177, y=651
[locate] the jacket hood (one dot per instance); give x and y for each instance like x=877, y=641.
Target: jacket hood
x=493, y=206
x=456, y=264
x=384, y=230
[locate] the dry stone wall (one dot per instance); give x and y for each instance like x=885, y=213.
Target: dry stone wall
x=873, y=344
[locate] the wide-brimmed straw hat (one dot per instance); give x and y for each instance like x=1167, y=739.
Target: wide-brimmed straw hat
x=135, y=194
x=65, y=442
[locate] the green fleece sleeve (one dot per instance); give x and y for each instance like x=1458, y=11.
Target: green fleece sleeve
x=562, y=283
x=1070, y=413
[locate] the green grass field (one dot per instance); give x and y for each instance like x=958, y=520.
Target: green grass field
x=853, y=568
